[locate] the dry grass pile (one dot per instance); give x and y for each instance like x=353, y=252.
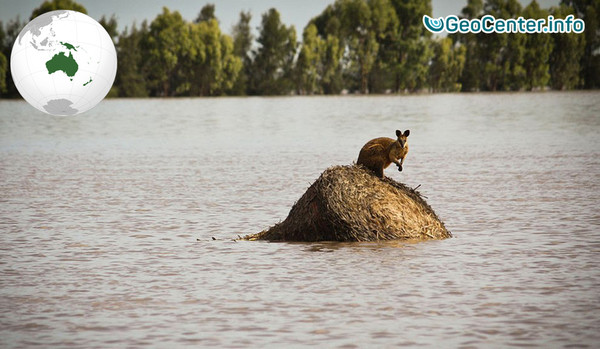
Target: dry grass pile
x=349, y=203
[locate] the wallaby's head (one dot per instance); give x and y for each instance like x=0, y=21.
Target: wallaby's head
x=402, y=137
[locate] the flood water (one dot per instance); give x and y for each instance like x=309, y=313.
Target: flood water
x=107, y=222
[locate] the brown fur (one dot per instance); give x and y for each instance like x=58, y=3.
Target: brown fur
x=379, y=153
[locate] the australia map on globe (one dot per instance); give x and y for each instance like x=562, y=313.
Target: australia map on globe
x=63, y=62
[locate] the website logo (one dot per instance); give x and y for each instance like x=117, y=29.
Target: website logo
x=489, y=24
x=433, y=25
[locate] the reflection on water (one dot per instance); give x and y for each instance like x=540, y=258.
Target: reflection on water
x=107, y=221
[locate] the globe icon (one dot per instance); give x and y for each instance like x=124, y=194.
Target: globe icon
x=63, y=62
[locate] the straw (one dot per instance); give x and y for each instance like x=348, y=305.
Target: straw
x=350, y=203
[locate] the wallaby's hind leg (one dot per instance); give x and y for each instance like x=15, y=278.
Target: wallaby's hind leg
x=379, y=172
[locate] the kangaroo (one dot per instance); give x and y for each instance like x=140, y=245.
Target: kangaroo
x=379, y=153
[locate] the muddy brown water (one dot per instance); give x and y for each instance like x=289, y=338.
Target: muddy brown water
x=107, y=222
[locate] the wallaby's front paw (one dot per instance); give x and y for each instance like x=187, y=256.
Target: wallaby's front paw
x=400, y=168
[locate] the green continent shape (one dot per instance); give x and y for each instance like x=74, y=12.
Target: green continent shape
x=68, y=46
x=63, y=63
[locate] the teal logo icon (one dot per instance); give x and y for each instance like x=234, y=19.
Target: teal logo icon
x=432, y=24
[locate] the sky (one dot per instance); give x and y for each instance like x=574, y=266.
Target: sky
x=294, y=12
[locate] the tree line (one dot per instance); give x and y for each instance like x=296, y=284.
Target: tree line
x=352, y=46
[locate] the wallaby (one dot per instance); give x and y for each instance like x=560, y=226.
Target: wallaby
x=379, y=153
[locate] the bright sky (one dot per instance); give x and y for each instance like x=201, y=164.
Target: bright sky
x=295, y=12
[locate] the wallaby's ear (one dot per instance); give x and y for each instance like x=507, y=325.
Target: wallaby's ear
x=406, y=133
x=398, y=133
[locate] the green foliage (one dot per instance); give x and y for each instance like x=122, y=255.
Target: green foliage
x=214, y=67
x=242, y=43
x=3, y=71
x=189, y=59
x=362, y=40
x=242, y=36
x=232, y=65
x=565, y=59
x=308, y=66
x=206, y=14
x=110, y=25
x=130, y=81
x=331, y=69
x=589, y=11
x=3, y=61
x=412, y=44
x=383, y=43
x=168, y=44
x=54, y=5
x=473, y=9
x=538, y=48
x=446, y=66
x=329, y=29
x=366, y=46
x=501, y=55
x=518, y=61
x=471, y=77
x=272, y=67
x=8, y=35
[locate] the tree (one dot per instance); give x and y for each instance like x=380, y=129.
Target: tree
x=370, y=46
x=168, y=45
x=3, y=70
x=360, y=40
x=470, y=79
x=409, y=65
x=176, y=58
x=214, y=67
x=242, y=43
x=54, y=5
x=447, y=65
x=510, y=61
x=242, y=35
x=8, y=35
x=589, y=11
x=206, y=14
x=329, y=29
x=232, y=65
x=110, y=25
x=131, y=81
x=331, y=68
x=308, y=65
x=565, y=59
x=365, y=31
x=501, y=55
x=385, y=25
x=537, y=53
x=3, y=61
x=273, y=60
